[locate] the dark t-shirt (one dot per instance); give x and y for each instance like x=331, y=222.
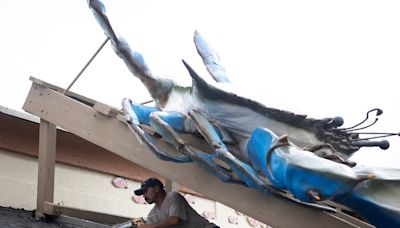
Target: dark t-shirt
x=176, y=205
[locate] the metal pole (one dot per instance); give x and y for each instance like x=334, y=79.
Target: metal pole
x=146, y=102
x=87, y=64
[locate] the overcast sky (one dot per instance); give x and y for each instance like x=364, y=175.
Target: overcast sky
x=321, y=58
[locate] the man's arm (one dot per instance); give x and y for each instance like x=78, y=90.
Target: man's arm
x=167, y=222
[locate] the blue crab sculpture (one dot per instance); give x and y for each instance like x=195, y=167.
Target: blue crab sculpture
x=270, y=150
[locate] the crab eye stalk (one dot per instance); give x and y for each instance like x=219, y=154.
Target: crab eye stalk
x=334, y=122
x=356, y=129
x=337, y=121
x=384, y=144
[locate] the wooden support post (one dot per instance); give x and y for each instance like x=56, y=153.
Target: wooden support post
x=46, y=164
x=170, y=185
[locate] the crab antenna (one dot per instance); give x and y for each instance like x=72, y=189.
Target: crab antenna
x=377, y=133
x=382, y=135
x=378, y=113
x=356, y=129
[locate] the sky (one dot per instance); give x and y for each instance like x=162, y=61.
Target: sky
x=320, y=58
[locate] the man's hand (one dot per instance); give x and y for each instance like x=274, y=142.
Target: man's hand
x=138, y=221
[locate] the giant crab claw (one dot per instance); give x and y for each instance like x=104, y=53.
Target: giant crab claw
x=308, y=177
x=210, y=58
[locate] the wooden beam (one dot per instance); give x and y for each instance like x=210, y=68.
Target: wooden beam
x=46, y=165
x=73, y=95
x=106, y=109
x=171, y=185
x=114, y=135
x=57, y=210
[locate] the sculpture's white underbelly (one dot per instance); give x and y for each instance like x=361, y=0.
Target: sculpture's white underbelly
x=239, y=121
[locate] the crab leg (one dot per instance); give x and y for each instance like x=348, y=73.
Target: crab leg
x=243, y=170
x=134, y=126
x=165, y=125
x=164, y=129
x=178, y=121
x=158, y=87
x=381, y=193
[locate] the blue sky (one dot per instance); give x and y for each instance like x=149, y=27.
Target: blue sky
x=321, y=58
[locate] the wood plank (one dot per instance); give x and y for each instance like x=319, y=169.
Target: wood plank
x=46, y=165
x=56, y=210
x=106, y=110
x=349, y=219
x=73, y=95
x=113, y=135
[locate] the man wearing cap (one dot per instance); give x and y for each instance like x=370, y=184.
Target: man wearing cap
x=170, y=210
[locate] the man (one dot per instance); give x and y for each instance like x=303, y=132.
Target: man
x=170, y=210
